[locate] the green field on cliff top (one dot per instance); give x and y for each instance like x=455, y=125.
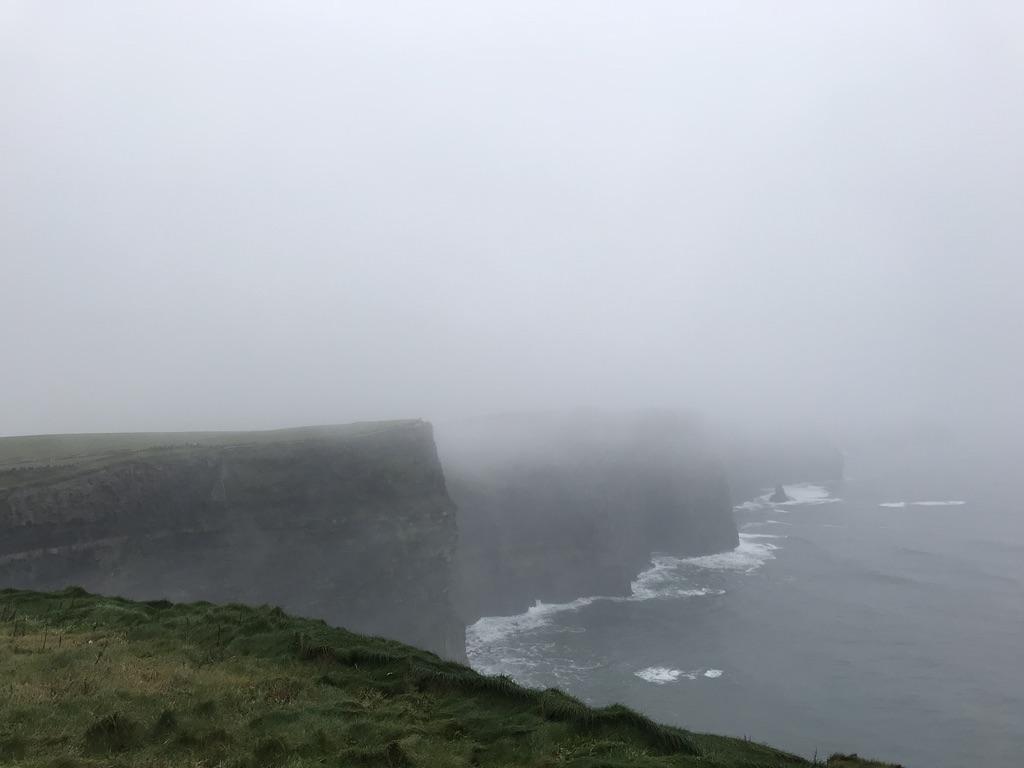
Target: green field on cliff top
x=89, y=681
x=51, y=458
x=31, y=450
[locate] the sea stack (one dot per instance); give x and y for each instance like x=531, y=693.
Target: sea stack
x=779, y=496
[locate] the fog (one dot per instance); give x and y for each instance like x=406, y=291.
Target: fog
x=251, y=215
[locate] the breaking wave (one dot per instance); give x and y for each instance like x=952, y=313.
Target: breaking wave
x=491, y=629
x=750, y=555
x=667, y=577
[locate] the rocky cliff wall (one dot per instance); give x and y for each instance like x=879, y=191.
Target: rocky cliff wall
x=556, y=507
x=353, y=525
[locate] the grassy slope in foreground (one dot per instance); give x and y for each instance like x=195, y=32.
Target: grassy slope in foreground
x=88, y=680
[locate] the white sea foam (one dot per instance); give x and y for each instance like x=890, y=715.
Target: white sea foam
x=667, y=578
x=748, y=556
x=749, y=506
x=893, y=504
x=491, y=629
x=662, y=675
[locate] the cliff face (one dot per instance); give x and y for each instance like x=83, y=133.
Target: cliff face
x=556, y=507
x=353, y=525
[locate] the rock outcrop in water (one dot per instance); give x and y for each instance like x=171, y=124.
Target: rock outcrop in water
x=350, y=524
x=552, y=508
x=758, y=460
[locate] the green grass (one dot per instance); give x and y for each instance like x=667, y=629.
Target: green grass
x=31, y=449
x=48, y=458
x=90, y=681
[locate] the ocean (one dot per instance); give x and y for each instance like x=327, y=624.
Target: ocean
x=857, y=622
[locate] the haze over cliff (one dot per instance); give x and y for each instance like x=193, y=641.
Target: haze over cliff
x=555, y=506
x=239, y=218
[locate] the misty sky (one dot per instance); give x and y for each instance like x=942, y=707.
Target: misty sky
x=242, y=215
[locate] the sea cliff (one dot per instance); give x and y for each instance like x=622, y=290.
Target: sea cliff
x=552, y=507
x=355, y=524
x=349, y=524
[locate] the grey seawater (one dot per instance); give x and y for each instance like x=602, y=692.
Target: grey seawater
x=838, y=625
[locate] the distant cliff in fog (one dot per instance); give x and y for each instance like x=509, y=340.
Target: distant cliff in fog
x=759, y=460
x=556, y=506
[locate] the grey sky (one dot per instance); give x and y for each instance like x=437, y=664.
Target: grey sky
x=231, y=215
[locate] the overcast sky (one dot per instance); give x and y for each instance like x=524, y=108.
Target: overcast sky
x=235, y=215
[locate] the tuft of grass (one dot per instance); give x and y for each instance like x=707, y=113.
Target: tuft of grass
x=166, y=724
x=113, y=733
x=272, y=751
x=12, y=748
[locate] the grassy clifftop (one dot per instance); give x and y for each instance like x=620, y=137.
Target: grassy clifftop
x=90, y=681
x=73, y=452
